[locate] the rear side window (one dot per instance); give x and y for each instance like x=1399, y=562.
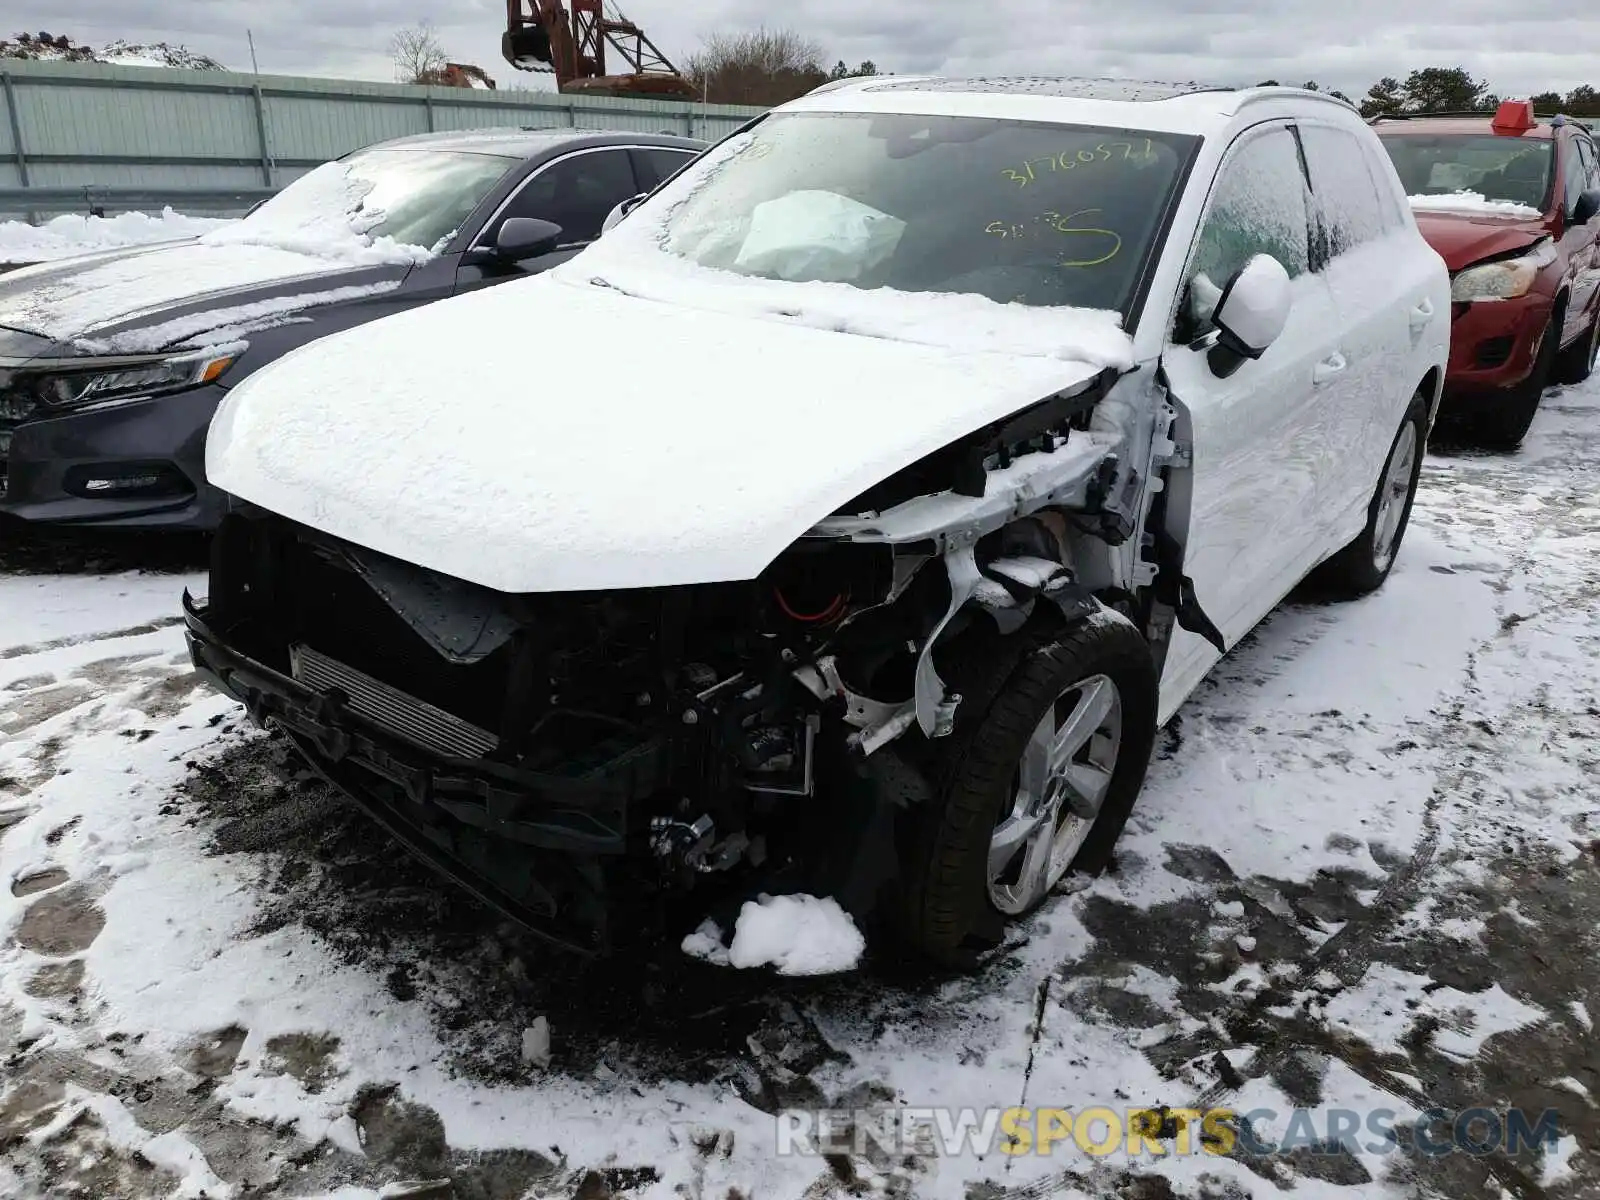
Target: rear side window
x=1349, y=208
x=657, y=165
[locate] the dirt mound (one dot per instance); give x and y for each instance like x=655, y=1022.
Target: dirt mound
x=47, y=47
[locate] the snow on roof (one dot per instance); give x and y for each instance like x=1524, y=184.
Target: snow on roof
x=1137, y=91
x=493, y=139
x=1167, y=108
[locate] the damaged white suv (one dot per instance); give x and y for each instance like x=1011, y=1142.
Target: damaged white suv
x=847, y=519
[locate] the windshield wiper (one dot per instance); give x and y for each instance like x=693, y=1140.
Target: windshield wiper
x=596, y=281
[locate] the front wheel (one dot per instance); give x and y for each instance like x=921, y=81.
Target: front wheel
x=1038, y=785
x=1503, y=426
x=1363, y=565
x=1576, y=362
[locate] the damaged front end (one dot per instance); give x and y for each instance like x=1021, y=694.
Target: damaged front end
x=601, y=766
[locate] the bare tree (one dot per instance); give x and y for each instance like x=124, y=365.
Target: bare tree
x=764, y=66
x=418, y=56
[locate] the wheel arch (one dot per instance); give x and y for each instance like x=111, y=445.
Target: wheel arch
x=1432, y=386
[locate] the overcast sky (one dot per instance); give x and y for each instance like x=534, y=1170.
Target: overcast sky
x=1521, y=47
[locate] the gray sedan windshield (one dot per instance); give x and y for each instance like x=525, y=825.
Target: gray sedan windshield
x=1036, y=214
x=424, y=195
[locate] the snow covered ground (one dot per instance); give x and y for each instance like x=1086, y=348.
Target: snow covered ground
x=69, y=234
x=1365, y=874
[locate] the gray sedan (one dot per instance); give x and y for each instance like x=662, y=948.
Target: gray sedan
x=112, y=364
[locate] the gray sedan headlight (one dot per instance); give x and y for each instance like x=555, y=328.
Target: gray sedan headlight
x=129, y=380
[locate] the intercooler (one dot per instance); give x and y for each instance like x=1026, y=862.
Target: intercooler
x=390, y=708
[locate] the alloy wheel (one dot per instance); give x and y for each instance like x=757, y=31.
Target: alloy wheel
x=1395, y=488
x=1061, y=783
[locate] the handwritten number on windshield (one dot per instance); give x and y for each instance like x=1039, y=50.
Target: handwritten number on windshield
x=1062, y=223
x=1069, y=160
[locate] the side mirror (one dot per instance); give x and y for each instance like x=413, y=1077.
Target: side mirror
x=1250, y=314
x=525, y=237
x=622, y=210
x=1588, y=205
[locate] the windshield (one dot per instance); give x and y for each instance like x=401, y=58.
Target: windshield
x=1042, y=215
x=1498, y=168
x=424, y=195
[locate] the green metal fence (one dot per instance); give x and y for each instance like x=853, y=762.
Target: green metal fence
x=80, y=135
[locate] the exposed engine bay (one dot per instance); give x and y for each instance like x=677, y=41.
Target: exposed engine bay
x=580, y=759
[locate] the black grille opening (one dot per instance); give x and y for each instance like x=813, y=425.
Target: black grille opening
x=1494, y=352
x=335, y=612
x=127, y=480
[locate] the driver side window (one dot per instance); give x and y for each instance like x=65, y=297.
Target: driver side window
x=1258, y=206
x=576, y=193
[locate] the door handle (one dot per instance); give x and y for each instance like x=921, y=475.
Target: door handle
x=1328, y=369
x=1421, y=315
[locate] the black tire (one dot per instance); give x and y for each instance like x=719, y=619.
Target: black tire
x=1576, y=363
x=1503, y=426
x=1362, y=566
x=947, y=915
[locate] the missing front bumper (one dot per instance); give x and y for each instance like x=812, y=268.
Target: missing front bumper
x=539, y=849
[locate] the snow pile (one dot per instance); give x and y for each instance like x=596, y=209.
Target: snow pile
x=799, y=935
x=64, y=236
x=1472, y=204
x=156, y=54
x=321, y=215
x=44, y=47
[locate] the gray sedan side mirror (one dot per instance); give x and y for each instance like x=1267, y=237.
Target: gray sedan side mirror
x=622, y=210
x=1250, y=314
x=525, y=237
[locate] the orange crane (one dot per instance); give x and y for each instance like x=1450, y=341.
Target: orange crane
x=542, y=35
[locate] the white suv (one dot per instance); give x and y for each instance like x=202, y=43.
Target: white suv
x=848, y=518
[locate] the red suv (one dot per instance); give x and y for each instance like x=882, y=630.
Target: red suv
x=1510, y=203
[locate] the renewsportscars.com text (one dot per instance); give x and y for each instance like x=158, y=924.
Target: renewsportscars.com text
x=1101, y=1131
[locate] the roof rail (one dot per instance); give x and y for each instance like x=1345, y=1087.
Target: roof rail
x=1550, y=118
x=1456, y=113
x=1558, y=119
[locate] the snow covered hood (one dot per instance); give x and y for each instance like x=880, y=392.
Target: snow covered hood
x=312, y=237
x=556, y=435
x=124, y=298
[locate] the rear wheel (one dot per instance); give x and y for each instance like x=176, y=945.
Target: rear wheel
x=1363, y=565
x=1038, y=785
x=1576, y=362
